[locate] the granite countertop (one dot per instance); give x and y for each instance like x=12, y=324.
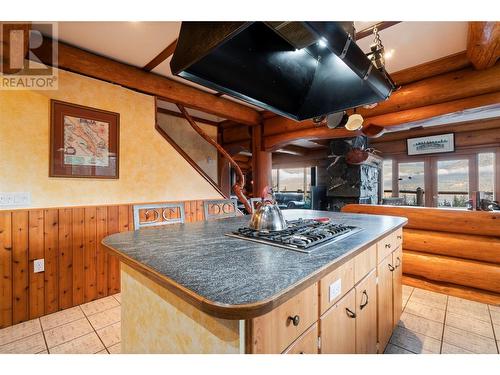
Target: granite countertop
x=228, y=272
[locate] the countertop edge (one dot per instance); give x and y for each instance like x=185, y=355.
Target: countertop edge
x=243, y=311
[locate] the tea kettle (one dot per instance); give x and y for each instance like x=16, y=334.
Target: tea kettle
x=267, y=216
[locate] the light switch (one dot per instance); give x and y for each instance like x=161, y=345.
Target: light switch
x=39, y=265
x=335, y=289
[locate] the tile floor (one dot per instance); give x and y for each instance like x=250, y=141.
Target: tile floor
x=431, y=323
x=90, y=328
x=436, y=323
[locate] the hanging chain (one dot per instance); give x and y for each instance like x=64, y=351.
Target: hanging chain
x=377, y=40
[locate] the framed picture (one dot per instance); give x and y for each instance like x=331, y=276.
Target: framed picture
x=84, y=141
x=433, y=144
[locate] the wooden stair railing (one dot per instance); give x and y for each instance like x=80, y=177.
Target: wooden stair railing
x=193, y=164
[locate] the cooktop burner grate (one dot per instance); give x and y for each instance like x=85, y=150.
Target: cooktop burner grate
x=304, y=235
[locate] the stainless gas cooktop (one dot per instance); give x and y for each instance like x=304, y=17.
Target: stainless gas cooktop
x=304, y=235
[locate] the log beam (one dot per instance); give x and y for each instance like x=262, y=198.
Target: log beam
x=274, y=142
x=261, y=163
x=439, y=89
x=89, y=64
x=469, y=273
x=435, y=110
x=483, y=44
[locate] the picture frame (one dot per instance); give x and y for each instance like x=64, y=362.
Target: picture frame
x=84, y=141
x=433, y=144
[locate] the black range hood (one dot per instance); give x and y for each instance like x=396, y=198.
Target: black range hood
x=296, y=69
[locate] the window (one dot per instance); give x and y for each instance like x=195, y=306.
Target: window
x=292, y=187
x=453, y=183
x=449, y=179
x=387, y=177
x=486, y=173
x=411, y=183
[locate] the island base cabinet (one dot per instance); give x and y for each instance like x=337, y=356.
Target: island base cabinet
x=385, y=271
x=273, y=332
x=397, y=285
x=366, y=315
x=307, y=343
x=338, y=327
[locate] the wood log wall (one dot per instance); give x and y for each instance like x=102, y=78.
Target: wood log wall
x=77, y=268
x=448, y=251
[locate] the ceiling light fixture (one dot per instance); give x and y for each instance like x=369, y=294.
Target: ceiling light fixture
x=322, y=42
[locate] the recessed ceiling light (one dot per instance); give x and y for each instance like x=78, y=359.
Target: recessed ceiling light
x=322, y=42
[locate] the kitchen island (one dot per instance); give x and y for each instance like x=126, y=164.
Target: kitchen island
x=189, y=288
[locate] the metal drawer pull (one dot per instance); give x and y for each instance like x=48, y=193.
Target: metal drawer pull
x=363, y=305
x=302, y=353
x=294, y=319
x=399, y=237
x=349, y=313
x=398, y=262
x=387, y=245
x=391, y=267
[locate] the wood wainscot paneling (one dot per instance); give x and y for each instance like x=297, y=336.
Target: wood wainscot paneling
x=78, y=268
x=455, y=252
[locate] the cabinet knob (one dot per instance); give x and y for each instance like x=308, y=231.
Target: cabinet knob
x=391, y=267
x=350, y=313
x=294, y=319
x=398, y=262
x=363, y=304
x=387, y=245
x=400, y=237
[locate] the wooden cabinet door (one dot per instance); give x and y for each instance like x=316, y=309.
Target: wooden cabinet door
x=397, y=286
x=366, y=315
x=307, y=343
x=338, y=327
x=385, y=273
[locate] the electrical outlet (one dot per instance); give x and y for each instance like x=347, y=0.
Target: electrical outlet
x=38, y=265
x=335, y=289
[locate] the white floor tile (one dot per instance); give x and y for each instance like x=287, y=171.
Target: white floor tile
x=67, y=332
x=99, y=305
x=19, y=331
x=87, y=344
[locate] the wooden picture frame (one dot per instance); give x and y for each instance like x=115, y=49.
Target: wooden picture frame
x=432, y=144
x=84, y=141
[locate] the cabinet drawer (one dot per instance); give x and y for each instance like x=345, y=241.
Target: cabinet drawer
x=386, y=246
x=335, y=285
x=307, y=343
x=364, y=263
x=273, y=332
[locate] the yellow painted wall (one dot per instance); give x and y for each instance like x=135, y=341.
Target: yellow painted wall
x=150, y=169
x=198, y=149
